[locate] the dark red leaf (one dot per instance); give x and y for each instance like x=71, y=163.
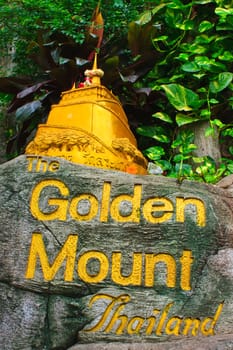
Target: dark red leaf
x=43, y=58
x=140, y=37
x=13, y=85
x=32, y=89
x=145, y=91
x=65, y=75
x=26, y=111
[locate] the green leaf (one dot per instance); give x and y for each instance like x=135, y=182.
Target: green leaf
x=156, y=87
x=181, y=98
x=202, y=60
x=145, y=18
x=228, y=27
x=172, y=17
x=183, y=119
x=198, y=159
x=205, y=39
x=209, y=64
x=186, y=25
x=161, y=38
x=204, y=26
x=199, y=76
x=213, y=101
x=202, y=89
x=184, y=137
x=183, y=57
x=223, y=11
x=190, y=67
x=209, y=178
x=218, y=123
x=165, y=165
x=205, y=114
x=163, y=116
x=189, y=148
x=193, y=48
x=230, y=168
x=156, y=132
x=223, y=80
x=210, y=131
x=154, y=153
x=158, y=8
x=202, y=2
x=228, y=132
x=178, y=158
x=226, y=56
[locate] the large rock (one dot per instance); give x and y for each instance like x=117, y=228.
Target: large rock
x=99, y=257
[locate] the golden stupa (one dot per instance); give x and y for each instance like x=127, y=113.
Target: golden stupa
x=88, y=126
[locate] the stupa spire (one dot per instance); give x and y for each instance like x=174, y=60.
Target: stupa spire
x=93, y=75
x=96, y=78
x=95, y=62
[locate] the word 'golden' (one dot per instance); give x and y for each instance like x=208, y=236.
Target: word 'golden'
x=155, y=210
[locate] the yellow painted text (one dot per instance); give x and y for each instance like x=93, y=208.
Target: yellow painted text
x=155, y=210
x=114, y=319
x=144, y=271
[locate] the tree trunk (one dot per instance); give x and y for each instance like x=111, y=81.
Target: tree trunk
x=206, y=145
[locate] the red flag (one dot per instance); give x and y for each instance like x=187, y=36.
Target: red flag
x=96, y=28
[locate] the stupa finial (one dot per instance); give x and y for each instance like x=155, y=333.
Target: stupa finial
x=93, y=75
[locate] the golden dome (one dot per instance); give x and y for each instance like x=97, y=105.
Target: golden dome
x=88, y=126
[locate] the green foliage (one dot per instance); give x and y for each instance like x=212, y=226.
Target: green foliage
x=179, y=162
x=22, y=23
x=59, y=61
x=5, y=99
x=192, y=76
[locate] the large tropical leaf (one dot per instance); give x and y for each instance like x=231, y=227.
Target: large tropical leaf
x=12, y=85
x=27, y=95
x=43, y=57
x=158, y=133
x=181, y=98
x=163, y=116
x=139, y=37
x=26, y=111
x=154, y=153
x=32, y=89
x=183, y=119
x=222, y=81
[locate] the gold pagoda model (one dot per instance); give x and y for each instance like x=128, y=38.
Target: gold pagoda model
x=88, y=126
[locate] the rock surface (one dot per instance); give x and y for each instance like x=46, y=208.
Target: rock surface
x=54, y=301
x=213, y=343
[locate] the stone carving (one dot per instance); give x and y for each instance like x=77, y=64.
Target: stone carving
x=94, y=259
x=132, y=154
x=77, y=144
x=57, y=141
